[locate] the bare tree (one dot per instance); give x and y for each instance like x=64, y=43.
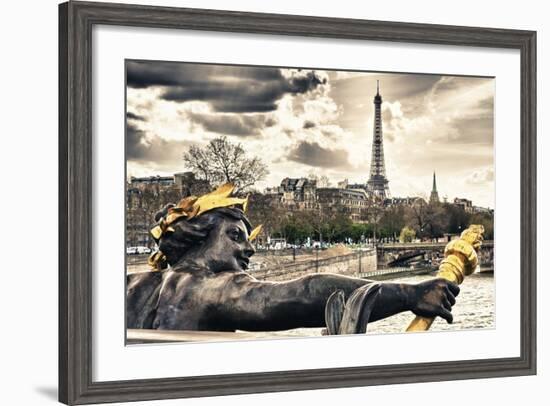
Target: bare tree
x=372, y=212
x=393, y=221
x=428, y=220
x=316, y=219
x=224, y=162
x=267, y=211
x=199, y=161
x=417, y=217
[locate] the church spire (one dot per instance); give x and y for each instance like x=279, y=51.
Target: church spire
x=434, y=196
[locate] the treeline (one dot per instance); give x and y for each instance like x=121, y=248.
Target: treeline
x=422, y=221
x=329, y=224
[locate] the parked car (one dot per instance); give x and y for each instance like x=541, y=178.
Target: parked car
x=137, y=250
x=143, y=250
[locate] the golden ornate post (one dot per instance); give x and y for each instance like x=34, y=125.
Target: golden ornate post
x=460, y=260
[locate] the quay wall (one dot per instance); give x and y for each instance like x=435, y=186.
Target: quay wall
x=350, y=264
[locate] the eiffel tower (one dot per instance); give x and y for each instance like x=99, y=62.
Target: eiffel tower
x=378, y=183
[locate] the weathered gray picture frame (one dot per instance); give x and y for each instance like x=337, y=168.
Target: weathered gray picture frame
x=76, y=20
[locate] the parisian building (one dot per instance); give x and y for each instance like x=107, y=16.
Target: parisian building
x=146, y=195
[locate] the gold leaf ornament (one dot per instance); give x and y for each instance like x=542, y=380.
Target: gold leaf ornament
x=192, y=206
x=156, y=232
x=221, y=197
x=215, y=202
x=255, y=233
x=155, y=260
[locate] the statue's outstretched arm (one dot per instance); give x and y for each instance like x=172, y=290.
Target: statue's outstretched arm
x=258, y=305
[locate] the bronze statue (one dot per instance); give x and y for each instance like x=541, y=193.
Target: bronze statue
x=206, y=242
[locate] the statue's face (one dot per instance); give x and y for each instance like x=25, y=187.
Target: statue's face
x=227, y=247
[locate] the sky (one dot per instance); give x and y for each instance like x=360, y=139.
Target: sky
x=315, y=121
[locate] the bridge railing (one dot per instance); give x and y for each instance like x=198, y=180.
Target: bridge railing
x=486, y=244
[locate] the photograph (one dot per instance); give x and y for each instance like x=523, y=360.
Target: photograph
x=267, y=202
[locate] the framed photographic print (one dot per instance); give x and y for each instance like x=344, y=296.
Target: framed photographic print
x=241, y=193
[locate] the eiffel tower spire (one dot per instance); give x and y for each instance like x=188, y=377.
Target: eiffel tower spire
x=378, y=183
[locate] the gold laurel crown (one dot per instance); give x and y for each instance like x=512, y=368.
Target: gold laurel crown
x=191, y=207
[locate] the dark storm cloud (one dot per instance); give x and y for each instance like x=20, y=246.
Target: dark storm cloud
x=311, y=153
x=133, y=116
x=156, y=149
x=134, y=145
x=231, y=89
x=309, y=124
x=303, y=84
x=232, y=124
x=228, y=97
x=144, y=74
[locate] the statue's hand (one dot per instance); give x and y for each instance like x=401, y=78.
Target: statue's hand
x=434, y=298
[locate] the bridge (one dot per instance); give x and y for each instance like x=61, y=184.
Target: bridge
x=430, y=251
